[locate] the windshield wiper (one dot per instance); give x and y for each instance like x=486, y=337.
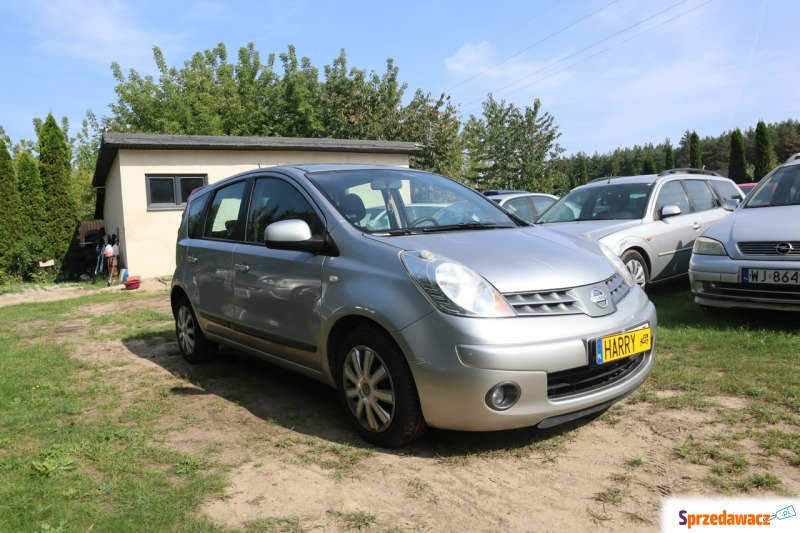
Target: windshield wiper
x=465, y=225
x=397, y=232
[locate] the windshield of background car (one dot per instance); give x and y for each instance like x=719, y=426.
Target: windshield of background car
x=612, y=201
x=402, y=201
x=779, y=188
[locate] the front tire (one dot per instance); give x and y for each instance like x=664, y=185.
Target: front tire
x=192, y=342
x=377, y=389
x=637, y=267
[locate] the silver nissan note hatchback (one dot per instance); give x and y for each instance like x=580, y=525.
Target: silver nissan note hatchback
x=466, y=318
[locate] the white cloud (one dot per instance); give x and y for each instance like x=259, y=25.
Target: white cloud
x=96, y=31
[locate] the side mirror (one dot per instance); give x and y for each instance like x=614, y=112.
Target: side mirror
x=670, y=211
x=731, y=204
x=292, y=234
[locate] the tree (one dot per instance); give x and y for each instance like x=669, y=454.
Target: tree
x=669, y=155
x=56, y=169
x=764, y=158
x=32, y=210
x=649, y=165
x=695, y=152
x=9, y=205
x=512, y=149
x=434, y=124
x=737, y=165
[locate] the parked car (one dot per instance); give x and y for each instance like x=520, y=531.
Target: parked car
x=650, y=221
x=414, y=213
x=747, y=187
x=752, y=258
x=526, y=205
x=483, y=323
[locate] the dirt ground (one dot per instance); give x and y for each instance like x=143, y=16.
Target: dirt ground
x=279, y=439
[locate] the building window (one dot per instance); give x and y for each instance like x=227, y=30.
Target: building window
x=171, y=192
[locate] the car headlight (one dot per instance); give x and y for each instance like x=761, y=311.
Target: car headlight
x=614, y=259
x=708, y=246
x=454, y=288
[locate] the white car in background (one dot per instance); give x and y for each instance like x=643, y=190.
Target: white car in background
x=650, y=221
x=526, y=205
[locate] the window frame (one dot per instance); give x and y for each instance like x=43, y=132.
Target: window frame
x=176, y=190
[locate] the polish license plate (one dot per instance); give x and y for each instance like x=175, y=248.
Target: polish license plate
x=771, y=276
x=616, y=347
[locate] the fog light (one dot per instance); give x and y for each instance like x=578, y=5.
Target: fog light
x=502, y=396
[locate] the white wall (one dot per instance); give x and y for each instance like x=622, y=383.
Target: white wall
x=147, y=238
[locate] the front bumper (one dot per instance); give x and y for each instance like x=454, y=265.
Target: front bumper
x=715, y=282
x=457, y=360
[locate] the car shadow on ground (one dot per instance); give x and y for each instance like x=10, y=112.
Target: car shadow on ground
x=308, y=407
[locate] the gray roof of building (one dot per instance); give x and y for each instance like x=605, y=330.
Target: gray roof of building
x=113, y=142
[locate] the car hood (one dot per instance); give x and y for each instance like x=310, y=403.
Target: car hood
x=516, y=260
x=595, y=229
x=776, y=223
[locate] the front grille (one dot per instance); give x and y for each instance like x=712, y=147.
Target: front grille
x=570, y=301
x=760, y=291
x=768, y=248
x=560, y=302
x=588, y=378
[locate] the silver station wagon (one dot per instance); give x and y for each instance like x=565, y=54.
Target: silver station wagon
x=468, y=319
x=752, y=258
x=650, y=221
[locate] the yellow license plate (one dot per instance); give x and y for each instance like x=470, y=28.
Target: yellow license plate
x=616, y=347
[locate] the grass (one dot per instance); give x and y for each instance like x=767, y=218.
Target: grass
x=69, y=463
x=76, y=455
x=705, y=356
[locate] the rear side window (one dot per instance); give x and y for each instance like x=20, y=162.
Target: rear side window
x=193, y=213
x=520, y=207
x=223, y=213
x=726, y=190
x=702, y=196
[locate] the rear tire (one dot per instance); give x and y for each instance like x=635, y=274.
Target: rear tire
x=192, y=342
x=637, y=267
x=377, y=389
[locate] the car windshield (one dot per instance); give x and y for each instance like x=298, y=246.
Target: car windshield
x=402, y=201
x=779, y=188
x=612, y=201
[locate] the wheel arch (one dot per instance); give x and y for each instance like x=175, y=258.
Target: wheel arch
x=338, y=332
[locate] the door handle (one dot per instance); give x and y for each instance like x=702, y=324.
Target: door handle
x=241, y=268
x=191, y=259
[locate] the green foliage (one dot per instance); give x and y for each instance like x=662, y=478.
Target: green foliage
x=737, y=167
x=649, y=165
x=695, y=153
x=512, y=149
x=32, y=210
x=56, y=169
x=764, y=158
x=9, y=204
x=23, y=259
x=669, y=156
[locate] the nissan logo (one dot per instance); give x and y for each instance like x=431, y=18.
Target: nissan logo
x=784, y=248
x=599, y=298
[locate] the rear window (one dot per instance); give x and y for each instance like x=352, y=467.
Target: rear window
x=726, y=190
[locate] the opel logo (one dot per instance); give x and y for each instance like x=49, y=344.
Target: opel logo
x=599, y=298
x=784, y=248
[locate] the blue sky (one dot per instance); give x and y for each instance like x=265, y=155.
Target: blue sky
x=611, y=73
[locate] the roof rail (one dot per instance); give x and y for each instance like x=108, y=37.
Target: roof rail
x=688, y=171
x=605, y=178
x=793, y=157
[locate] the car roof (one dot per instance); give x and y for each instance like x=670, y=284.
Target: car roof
x=652, y=178
x=509, y=195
